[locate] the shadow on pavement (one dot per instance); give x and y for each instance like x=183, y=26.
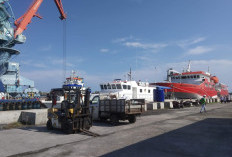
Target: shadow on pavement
x=42, y=129
x=108, y=124
x=210, y=137
x=59, y=131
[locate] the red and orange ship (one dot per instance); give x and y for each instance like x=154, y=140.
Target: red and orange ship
x=193, y=85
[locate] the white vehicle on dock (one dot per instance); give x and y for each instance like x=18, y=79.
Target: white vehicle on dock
x=127, y=90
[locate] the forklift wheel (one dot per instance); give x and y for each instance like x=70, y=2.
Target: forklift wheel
x=87, y=127
x=67, y=127
x=103, y=119
x=49, y=125
x=132, y=119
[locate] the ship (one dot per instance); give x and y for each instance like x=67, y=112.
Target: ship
x=127, y=89
x=71, y=83
x=193, y=84
x=74, y=81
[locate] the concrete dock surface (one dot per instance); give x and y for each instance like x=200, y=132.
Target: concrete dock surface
x=161, y=133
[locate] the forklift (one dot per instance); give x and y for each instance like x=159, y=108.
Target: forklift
x=73, y=115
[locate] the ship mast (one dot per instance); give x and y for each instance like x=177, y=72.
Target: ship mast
x=129, y=75
x=189, y=66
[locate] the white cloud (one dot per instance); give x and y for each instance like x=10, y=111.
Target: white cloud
x=198, y=40
x=144, y=45
x=104, y=50
x=120, y=40
x=39, y=65
x=223, y=62
x=25, y=62
x=45, y=79
x=69, y=64
x=33, y=64
x=199, y=50
x=188, y=42
x=46, y=48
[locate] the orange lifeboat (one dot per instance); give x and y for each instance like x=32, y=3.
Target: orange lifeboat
x=214, y=79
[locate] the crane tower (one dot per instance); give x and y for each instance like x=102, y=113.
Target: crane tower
x=10, y=80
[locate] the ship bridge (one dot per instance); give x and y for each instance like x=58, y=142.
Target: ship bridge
x=190, y=77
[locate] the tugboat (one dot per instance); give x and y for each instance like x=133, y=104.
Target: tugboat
x=74, y=81
x=193, y=84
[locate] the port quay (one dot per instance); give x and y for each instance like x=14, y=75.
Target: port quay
x=123, y=78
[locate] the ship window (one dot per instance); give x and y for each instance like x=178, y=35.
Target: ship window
x=198, y=76
x=95, y=100
x=183, y=77
x=109, y=86
x=105, y=87
x=141, y=90
x=145, y=90
x=192, y=76
x=129, y=87
x=102, y=87
x=124, y=86
x=118, y=86
x=195, y=76
x=113, y=86
x=149, y=91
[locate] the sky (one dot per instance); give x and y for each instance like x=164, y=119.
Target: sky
x=105, y=38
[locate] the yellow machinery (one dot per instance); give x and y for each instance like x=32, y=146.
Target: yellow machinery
x=73, y=115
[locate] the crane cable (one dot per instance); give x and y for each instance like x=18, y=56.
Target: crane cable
x=64, y=49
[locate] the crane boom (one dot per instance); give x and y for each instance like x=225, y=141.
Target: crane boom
x=60, y=8
x=22, y=22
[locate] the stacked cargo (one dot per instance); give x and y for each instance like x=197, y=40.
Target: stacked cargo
x=23, y=104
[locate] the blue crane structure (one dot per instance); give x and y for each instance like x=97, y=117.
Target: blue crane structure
x=11, y=82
